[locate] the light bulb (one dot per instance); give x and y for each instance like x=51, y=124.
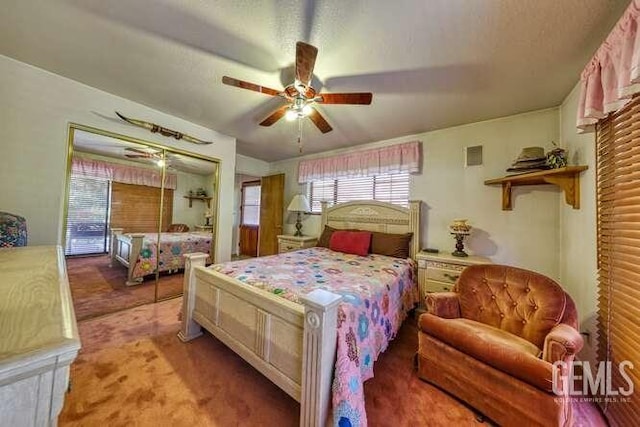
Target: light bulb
x=160, y=163
x=291, y=115
x=306, y=110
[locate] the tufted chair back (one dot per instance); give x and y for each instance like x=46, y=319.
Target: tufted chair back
x=178, y=228
x=13, y=230
x=518, y=301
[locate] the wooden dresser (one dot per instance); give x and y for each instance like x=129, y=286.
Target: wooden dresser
x=38, y=335
x=439, y=272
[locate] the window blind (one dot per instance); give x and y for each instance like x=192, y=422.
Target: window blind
x=618, y=222
x=135, y=208
x=87, y=216
x=391, y=188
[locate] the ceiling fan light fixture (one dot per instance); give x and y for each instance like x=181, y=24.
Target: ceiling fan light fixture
x=291, y=115
x=160, y=162
x=306, y=110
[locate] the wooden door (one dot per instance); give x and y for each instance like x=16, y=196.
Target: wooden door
x=271, y=212
x=249, y=240
x=249, y=217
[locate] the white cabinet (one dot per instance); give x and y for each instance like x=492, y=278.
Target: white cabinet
x=38, y=335
x=288, y=243
x=439, y=272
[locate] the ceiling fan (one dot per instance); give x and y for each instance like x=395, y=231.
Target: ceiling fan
x=153, y=155
x=300, y=95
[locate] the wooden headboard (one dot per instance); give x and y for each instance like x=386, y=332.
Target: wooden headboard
x=372, y=215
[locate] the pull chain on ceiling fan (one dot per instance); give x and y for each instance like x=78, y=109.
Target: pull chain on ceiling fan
x=300, y=95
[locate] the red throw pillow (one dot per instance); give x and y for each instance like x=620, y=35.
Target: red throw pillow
x=351, y=242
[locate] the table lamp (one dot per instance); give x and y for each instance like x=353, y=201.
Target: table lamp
x=299, y=204
x=460, y=229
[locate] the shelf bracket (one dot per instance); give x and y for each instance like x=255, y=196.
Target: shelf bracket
x=570, y=185
x=506, y=196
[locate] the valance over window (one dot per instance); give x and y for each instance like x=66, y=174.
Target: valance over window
x=122, y=173
x=613, y=74
x=392, y=159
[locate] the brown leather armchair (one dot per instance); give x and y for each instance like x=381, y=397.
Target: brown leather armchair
x=493, y=341
x=178, y=228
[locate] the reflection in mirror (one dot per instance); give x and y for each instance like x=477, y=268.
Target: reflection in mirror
x=113, y=191
x=191, y=216
x=133, y=210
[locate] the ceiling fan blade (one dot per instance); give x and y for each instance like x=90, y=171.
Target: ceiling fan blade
x=363, y=98
x=137, y=156
x=319, y=121
x=136, y=150
x=249, y=86
x=305, y=61
x=275, y=116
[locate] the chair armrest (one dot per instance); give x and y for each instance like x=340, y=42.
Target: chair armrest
x=443, y=304
x=561, y=344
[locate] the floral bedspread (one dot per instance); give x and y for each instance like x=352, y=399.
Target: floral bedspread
x=377, y=290
x=172, y=247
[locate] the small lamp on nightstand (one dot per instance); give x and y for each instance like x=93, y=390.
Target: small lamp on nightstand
x=208, y=214
x=459, y=229
x=299, y=204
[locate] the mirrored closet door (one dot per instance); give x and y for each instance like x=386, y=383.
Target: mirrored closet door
x=133, y=210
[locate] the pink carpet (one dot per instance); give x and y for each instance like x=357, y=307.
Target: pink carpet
x=133, y=370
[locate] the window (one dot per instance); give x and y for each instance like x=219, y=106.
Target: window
x=87, y=216
x=251, y=203
x=391, y=188
x=618, y=219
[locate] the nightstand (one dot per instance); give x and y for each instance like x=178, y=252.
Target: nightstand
x=208, y=228
x=439, y=272
x=288, y=243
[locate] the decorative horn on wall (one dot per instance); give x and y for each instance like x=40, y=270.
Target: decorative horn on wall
x=154, y=128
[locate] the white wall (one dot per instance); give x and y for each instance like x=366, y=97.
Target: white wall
x=246, y=165
x=528, y=236
x=35, y=112
x=578, y=249
x=182, y=213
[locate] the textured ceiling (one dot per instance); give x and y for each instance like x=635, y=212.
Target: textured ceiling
x=430, y=63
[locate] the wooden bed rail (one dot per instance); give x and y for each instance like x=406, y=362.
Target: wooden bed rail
x=125, y=248
x=292, y=345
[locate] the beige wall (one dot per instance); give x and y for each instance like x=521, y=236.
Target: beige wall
x=578, y=250
x=528, y=236
x=182, y=213
x=35, y=112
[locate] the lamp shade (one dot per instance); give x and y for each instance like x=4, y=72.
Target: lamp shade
x=299, y=204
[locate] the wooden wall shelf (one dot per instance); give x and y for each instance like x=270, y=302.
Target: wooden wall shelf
x=567, y=178
x=203, y=198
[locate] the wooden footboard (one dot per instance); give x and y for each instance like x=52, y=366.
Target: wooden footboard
x=291, y=344
x=125, y=249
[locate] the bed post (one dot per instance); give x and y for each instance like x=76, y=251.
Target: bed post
x=414, y=226
x=113, y=245
x=134, y=254
x=190, y=329
x=318, y=356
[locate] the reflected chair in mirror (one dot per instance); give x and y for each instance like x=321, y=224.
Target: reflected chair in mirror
x=493, y=342
x=178, y=228
x=13, y=230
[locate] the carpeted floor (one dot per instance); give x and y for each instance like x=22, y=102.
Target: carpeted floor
x=134, y=371
x=98, y=289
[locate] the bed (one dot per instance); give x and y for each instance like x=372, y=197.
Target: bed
x=138, y=252
x=290, y=337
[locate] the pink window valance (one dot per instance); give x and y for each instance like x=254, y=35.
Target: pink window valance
x=122, y=173
x=612, y=76
x=392, y=159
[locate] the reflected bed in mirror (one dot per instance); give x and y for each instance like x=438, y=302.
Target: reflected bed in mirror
x=126, y=201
